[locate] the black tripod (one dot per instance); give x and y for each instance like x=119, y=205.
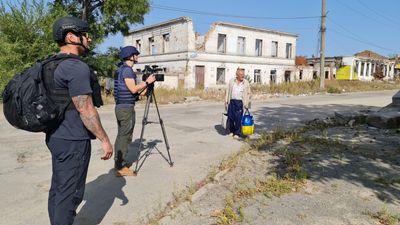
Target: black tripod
x=151, y=146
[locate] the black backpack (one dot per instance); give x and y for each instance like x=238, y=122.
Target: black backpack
x=30, y=100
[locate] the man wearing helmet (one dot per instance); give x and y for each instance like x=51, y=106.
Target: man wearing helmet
x=69, y=143
x=126, y=90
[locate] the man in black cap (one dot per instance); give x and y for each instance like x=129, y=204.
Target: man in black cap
x=126, y=90
x=69, y=143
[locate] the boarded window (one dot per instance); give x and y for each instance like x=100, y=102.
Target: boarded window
x=241, y=42
x=220, y=75
x=165, y=43
x=315, y=75
x=259, y=47
x=287, y=76
x=272, y=79
x=274, y=49
x=221, y=43
x=138, y=45
x=152, y=46
x=288, y=50
x=257, y=76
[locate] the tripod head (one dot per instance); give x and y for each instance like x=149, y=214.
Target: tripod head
x=149, y=90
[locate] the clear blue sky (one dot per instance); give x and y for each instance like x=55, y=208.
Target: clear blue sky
x=352, y=25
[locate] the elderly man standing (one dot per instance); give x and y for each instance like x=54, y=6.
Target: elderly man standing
x=237, y=97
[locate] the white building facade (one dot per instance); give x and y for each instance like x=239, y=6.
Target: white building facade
x=366, y=68
x=193, y=61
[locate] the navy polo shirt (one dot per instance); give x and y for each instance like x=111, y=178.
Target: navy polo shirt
x=74, y=75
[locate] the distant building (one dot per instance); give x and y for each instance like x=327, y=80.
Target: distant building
x=364, y=66
x=304, y=72
x=191, y=60
x=331, y=65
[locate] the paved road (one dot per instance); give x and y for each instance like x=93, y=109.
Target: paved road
x=196, y=140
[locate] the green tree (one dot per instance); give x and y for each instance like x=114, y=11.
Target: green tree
x=25, y=36
x=106, y=16
x=26, y=29
x=105, y=64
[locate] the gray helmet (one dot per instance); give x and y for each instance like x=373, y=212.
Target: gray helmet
x=66, y=24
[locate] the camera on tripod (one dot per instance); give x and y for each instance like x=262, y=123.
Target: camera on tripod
x=154, y=69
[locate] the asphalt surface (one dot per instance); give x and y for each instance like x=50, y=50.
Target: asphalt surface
x=197, y=142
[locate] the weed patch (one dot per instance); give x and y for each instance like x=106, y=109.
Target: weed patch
x=384, y=217
x=229, y=215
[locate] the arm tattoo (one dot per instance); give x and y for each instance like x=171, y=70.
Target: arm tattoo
x=89, y=115
x=81, y=101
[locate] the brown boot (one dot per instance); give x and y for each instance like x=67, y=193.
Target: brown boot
x=125, y=171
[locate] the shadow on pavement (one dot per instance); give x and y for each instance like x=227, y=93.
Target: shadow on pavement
x=220, y=130
x=99, y=196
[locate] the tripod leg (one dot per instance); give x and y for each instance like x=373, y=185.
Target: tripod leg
x=163, y=131
x=144, y=122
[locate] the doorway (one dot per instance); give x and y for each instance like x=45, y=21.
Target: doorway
x=199, y=76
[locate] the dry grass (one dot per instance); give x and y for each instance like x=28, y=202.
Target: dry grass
x=167, y=96
x=384, y=216
x=331, y=86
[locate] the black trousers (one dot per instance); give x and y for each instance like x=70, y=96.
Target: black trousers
x=70, y=161
x=235, y=114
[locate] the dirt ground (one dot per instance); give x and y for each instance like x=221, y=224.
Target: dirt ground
x=352, y=176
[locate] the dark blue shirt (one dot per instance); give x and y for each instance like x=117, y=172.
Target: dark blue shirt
x=74, y=75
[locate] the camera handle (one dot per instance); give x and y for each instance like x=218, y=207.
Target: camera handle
x=150, y=147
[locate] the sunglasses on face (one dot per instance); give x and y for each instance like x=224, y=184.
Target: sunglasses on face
x=85, y=34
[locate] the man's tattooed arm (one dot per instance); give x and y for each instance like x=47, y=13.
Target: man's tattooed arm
x=91, y=120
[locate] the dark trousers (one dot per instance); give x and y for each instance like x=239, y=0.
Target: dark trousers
x=70, y=161
x=235, y=114
x=126, y=122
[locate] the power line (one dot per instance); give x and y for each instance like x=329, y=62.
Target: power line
x=345, y=29
x=378, y=13
x=358, y=12
x=363, y=42
x=168, y=8
x=358, y=38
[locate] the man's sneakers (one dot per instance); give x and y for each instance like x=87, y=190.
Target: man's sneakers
x=124, y=172
x=237, y=137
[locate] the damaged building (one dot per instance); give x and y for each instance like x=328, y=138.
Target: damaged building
x=190, y=60
x=363, y=66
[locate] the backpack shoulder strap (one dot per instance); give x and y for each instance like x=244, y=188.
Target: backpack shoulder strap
x=63, y=56
x=59, y=95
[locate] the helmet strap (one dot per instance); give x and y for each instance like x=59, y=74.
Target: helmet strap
x=87, y=50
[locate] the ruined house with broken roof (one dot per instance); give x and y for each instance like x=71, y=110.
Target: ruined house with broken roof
x=363, y=66
x=191, y=60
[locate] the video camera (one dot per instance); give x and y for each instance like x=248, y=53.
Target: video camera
x=154, y=69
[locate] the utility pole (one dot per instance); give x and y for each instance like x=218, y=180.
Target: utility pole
x=322, y=48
